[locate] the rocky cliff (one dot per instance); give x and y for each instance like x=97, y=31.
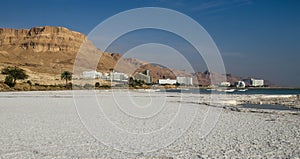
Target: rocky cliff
x=41, y=39
x=44, y=52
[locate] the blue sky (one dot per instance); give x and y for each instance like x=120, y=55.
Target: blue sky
x=259, y=38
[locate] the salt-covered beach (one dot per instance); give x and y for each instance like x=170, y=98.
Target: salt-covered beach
x=46, y=125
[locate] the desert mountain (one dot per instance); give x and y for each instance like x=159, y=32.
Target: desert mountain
x=44, y=52
x=47, y=51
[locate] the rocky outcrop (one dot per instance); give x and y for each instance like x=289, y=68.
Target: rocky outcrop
x=42, y=39
x=44, y=52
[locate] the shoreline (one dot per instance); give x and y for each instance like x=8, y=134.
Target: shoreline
x=59, y=88
x=228, y=100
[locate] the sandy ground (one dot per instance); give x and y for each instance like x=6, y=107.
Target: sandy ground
x=48, y=125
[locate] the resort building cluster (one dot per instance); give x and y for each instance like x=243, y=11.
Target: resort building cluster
x=142, y=76
x=180, y=80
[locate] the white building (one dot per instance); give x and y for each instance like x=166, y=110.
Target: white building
x=143, y=77
x=91, y=74
x=166, y=81
x=256, y=82
x=184, y=80
x=106, y=76
x=115, y=76
x=225, y=84
x=118, y=76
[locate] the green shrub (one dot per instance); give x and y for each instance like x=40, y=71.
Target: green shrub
x=88, y=86
x=9, y=80
x=105, y=86
x=29, y=82
x=69, y=85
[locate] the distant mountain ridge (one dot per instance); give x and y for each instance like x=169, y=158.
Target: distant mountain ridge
x=44, y=52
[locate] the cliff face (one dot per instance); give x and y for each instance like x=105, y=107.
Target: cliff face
x=41, y=39
x=44, y=52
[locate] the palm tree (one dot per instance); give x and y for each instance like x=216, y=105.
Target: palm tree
x=66, y=75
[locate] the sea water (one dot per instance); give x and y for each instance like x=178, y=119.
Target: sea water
x=249, y=91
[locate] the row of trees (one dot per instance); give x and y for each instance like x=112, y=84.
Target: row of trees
x=15, y=73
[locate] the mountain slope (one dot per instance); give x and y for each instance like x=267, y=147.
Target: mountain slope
x=44, y=52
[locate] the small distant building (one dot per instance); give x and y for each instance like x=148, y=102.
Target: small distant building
x=140, y=76
x=105, y=76
x=256, y=82
x=91, y=74
x=166, y=81
x=118, y=76
x=144, y=77
x=225, y=84
x=115, y=76
x=240, y=84
x=185, y=80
